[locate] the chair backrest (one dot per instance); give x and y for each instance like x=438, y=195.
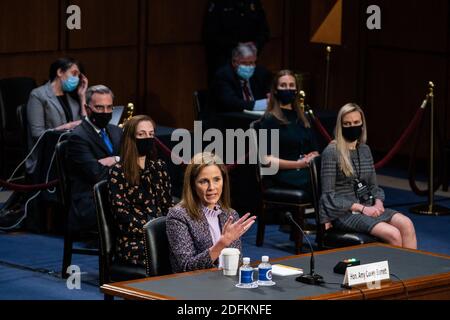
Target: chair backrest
x=105, y=229
x=255, y=126
x=314, y=171
x=201, y=105
x=21, y=114
x=62, y=170
x=157, y=247
x=14, y=92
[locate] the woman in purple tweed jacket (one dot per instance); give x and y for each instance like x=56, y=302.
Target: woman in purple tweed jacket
x=203, y=223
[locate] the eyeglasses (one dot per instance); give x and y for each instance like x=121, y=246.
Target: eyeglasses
x=101, y=108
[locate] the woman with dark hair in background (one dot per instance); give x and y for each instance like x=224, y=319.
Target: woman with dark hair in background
x=297, y=145
x=59, y=104
x=203, y=223
x=53, y=106
x=140, y=189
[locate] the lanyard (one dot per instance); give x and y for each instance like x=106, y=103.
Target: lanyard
x=359, y=164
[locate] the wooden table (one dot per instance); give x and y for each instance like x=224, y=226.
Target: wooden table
x=428, y=284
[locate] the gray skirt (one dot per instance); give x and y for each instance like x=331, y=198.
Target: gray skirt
x=361, y=222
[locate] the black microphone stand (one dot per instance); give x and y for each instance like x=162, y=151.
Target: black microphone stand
x=311, y=278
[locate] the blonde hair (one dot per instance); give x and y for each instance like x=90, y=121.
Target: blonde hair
x=189, y=199
x=342, y=146
x=273, y=106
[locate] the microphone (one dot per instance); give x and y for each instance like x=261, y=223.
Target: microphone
x=311, y=278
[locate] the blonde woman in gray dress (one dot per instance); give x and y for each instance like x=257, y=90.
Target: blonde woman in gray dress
x=351, y=199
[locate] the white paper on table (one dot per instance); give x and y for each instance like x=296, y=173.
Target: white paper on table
x=282, y=270
x=257, y=113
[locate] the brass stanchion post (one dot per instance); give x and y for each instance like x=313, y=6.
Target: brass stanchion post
x=431, y=208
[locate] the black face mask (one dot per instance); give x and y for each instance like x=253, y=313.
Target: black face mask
x=352, y=134
x=100, y=120
x=286, y=96
x=145, y=146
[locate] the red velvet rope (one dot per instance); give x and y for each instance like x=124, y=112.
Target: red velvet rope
x=322, y=129
x=412, y=126
x=26, y=188
x=167, y=151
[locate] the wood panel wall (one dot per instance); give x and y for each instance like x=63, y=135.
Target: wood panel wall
x=385, y=71
x=149, y=52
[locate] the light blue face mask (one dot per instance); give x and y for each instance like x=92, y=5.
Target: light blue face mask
x=245, y=72
x=70, y=84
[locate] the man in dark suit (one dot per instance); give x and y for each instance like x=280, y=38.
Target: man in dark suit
x=228, y=23
x=241, y=85
x=93, y=149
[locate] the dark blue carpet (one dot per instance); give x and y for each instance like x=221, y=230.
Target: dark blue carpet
x=30, y=264
x=17, y=284
x=397, y=197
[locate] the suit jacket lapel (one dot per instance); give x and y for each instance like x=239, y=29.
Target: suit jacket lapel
x=114, y=141
x=222, y=219
x=205, y=232
x=53, y=100
x=253, y=85
x=205, y=227
x=237, y=83
x=94, y=137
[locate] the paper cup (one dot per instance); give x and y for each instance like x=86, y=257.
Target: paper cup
x=229, y=261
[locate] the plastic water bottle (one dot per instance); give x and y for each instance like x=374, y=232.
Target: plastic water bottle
x=246, y=275
x=265, y=272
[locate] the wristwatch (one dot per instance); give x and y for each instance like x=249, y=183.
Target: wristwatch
x=117, y=158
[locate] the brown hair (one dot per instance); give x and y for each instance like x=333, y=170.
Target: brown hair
x=128, y=151
x=189, y=199
x=274, y=105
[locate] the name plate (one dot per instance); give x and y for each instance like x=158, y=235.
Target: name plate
x=367, y=273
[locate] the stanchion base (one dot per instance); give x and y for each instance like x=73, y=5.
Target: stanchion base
x=427, y=210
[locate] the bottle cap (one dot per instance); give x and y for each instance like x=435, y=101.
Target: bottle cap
x=246, y=260
x=265, y=258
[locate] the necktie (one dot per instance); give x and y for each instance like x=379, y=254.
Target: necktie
x=106, y=140
x=246, y=91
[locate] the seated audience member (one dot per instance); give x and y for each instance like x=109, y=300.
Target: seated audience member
x=351, y=199
x=203, y=223
x=228, y=23
x=58, y=104
x=93, y=149
x=241, y=85
x=139, y=189
x=297, y=144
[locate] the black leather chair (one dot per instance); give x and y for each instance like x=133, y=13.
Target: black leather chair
x=331, y=238
x=64, y=199
x=21, y=114
x=204, y=109
x=295, y=200
x=109, y=270
x=157, y=247
x=200, y=103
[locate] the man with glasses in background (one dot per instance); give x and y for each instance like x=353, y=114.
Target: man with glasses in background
x=92, y=149
x=241, y=84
